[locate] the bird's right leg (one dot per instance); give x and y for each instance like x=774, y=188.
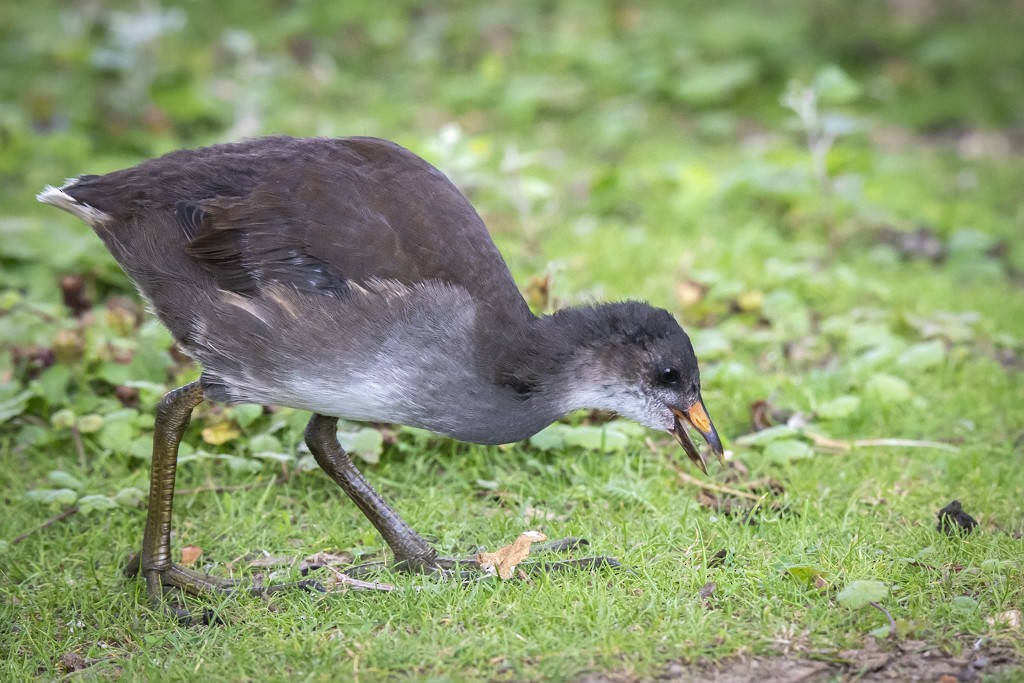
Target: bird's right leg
x=173, y=414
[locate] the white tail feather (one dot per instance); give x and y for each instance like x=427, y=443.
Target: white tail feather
x=62, y=200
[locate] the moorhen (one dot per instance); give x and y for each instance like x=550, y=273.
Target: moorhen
x=350, y=278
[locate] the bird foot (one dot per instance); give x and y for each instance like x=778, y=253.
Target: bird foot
x=165, y=586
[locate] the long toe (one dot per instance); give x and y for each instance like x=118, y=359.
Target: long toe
x=580, y=564
x=167, y=587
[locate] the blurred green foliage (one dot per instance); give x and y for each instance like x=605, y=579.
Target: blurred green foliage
x=827, y=195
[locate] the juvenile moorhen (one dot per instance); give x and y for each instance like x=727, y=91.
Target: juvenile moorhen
x=350, y=278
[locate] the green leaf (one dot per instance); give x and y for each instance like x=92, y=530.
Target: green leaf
x=881, y=632
x=787, y=450
x=968, y=241
x=594, y=438
x=887, y=390
x=51, y=496
x=924, y=355
x=838, y=408
x=130, y=496
x=710, y=344
x=806, y=573
x=62, y=479
x=306, y=463
x=63, y=419
x=858, y=594
x=117, y=436
x=237, y=464
x=765, y=436
x=114, y=373
x=551, y=438
x=52, y=385
x=244, y=415
x=963, y=604
x=142, y=448
x=14, y=406
x=834, y=86
x=264, y=443
x=89, y=424
x=367, y=443
x=93, y=503
x=714, y=83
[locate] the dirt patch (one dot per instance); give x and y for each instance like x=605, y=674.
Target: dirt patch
x=876, y=662
x=905, y=661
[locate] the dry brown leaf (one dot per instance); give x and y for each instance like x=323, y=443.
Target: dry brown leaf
x=190, y=554
x=504, y=560
x=690, y=292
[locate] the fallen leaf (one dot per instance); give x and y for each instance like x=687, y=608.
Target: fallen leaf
x=718, y=559
x=705, y=592
x=1008, y=619
x=812, y=576
x=190, y=554
x=764, y=414
x=690, y=292
x=750, y=301
x=220, y=433
x=504, y=560
x=858, y=594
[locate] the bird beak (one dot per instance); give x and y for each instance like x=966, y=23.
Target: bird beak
x=697, y=417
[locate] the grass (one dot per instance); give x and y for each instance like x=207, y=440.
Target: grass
x=593, y=165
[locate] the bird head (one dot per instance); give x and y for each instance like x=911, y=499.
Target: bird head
x=636, y=360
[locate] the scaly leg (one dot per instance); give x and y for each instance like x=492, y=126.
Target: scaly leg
x=412, y=552
x=173, y=414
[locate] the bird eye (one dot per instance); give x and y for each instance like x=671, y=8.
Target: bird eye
x=669, y=375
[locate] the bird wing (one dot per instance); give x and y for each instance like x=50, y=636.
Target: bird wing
x=346, y=211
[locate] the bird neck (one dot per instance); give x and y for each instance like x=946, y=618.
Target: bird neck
x=553, y=364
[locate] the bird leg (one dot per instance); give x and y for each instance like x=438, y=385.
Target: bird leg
x=173, y=414
x=412, y=552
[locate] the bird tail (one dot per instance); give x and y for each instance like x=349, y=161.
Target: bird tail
x=56, y=196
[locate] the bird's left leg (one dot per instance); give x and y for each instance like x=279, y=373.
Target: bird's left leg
x=411, y=551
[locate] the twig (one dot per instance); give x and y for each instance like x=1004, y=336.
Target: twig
x=358, y=584
x=718, y=488
x=826, y=442
x=892, y=622
x=48, y=523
